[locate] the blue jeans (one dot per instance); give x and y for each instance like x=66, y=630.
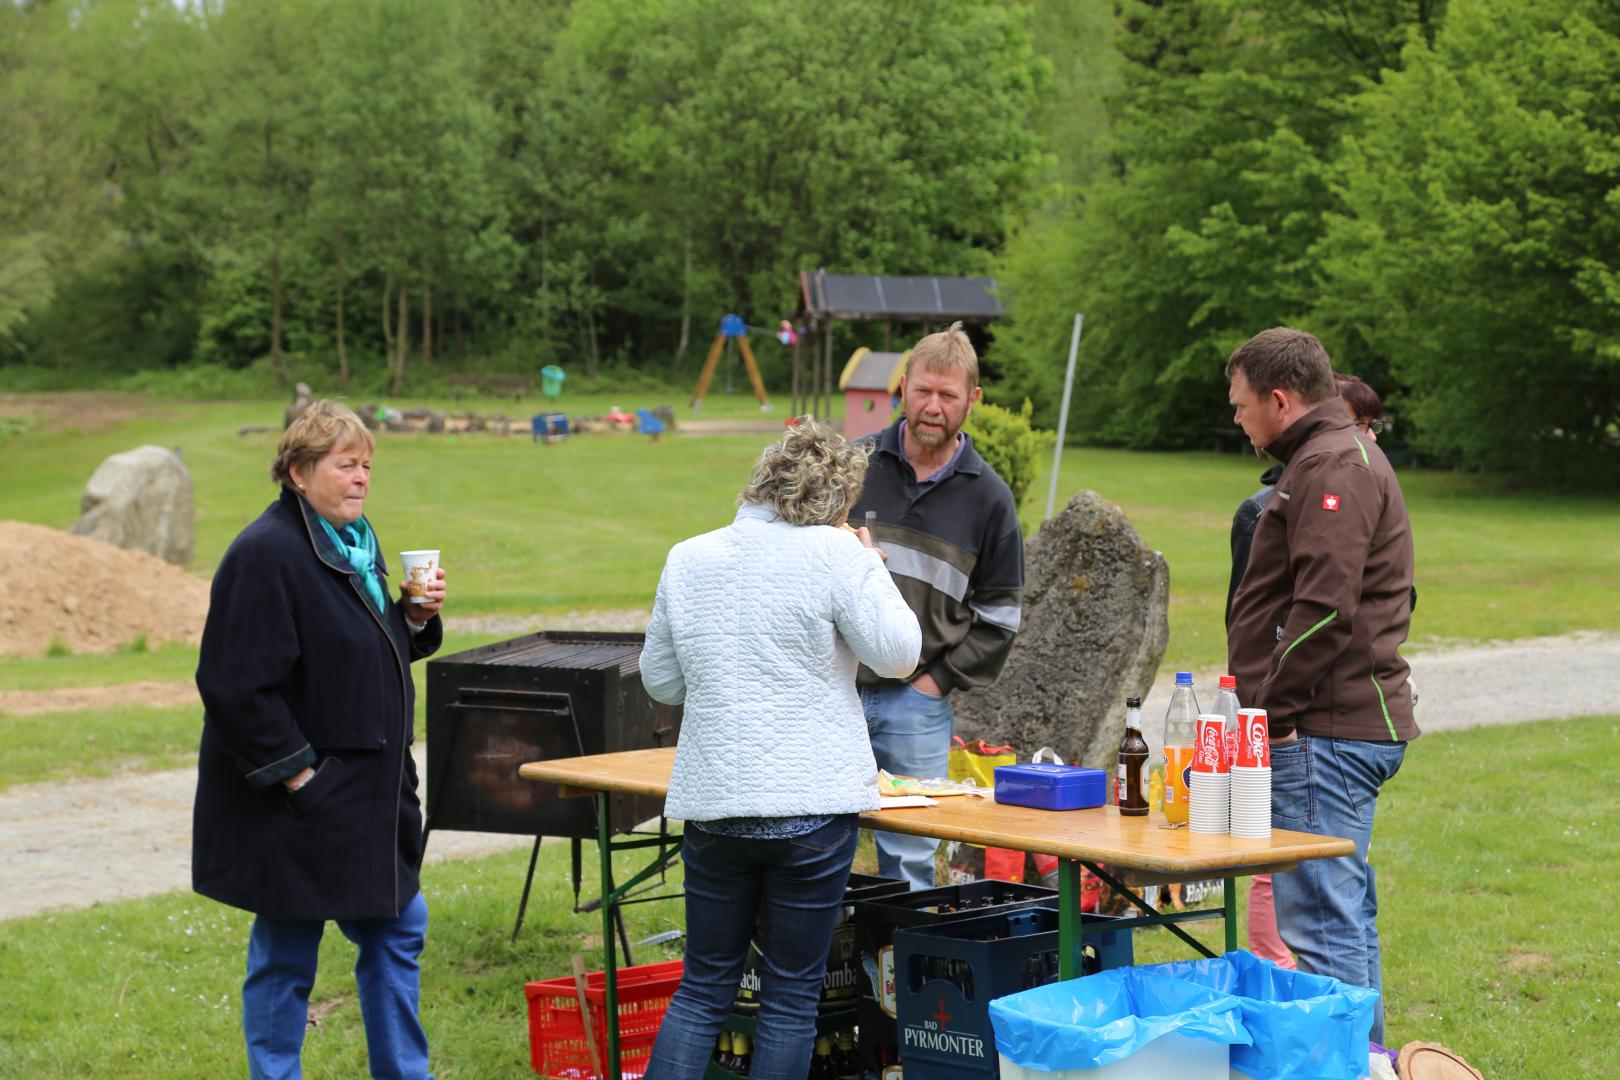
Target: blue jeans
x=1327, y=909
x=785, y=894
x=911, y=736
x=281, y=971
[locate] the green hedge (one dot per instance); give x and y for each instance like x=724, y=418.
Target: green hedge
x=1009, y=443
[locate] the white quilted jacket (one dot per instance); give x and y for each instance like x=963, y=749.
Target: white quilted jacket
x=757, y=629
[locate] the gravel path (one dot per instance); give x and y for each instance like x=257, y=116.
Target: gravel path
x=75, y=843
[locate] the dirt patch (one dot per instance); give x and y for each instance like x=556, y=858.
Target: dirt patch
x=738, y=426
x=596, y=620
x=159, y=695
x=1524, y=962
x=94, y=597
x=89, y=412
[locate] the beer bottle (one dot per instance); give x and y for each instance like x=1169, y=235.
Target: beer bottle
x=741, y=1045
x=846, y=1062
x=821, y=1063
x=722, y=1052
x=1131, y=788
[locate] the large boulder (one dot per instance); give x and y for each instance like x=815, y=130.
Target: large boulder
x=1096, y=623
x=141, y=500
x=302, y=396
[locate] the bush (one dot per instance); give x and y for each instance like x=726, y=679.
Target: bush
x=1008, y=443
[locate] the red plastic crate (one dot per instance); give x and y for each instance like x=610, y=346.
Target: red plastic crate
x=557, y=1034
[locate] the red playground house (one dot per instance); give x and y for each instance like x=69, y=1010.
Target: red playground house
x=871, y=383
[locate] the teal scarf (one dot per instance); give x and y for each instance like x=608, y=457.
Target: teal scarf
x=358, y=544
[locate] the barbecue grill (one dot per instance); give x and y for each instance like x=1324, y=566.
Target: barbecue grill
x=552, y=694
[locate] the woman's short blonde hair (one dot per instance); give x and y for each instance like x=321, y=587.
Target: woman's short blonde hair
x=810, y=476
x=323, y=427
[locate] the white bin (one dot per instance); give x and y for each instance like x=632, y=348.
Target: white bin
x=1171, y=1056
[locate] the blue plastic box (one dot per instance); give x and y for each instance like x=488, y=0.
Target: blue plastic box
x=1051, y=787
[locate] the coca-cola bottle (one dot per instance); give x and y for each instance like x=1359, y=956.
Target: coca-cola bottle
x=1131, y=786
x=1226, y=703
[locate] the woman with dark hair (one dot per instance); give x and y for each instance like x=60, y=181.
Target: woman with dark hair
x=1362, y=403
x=757, y=628
x=306, y=792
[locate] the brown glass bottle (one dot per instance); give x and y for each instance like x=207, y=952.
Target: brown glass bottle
x=1131, y=788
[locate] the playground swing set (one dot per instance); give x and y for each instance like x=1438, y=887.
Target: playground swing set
x=732, y=329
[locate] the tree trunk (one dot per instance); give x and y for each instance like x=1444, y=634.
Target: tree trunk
x=387, y=326
x=402, y=350
x=278, y=364
x=342, y=343
x=590, y=332
x=427, y=316
x=686, y=305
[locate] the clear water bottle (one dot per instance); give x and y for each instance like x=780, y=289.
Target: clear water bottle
x=1226, y=703
x=1180, y=728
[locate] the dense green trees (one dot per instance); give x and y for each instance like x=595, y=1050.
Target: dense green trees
x=376, y=189
x=1478, y=251
x=371, y=186
x=1432, y=190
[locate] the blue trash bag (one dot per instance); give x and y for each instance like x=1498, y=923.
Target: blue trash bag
x=1305, y=1027
x=1100, y=1019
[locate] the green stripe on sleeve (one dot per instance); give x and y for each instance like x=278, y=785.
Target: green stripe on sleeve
x=1291, y=646
x=1364, y=459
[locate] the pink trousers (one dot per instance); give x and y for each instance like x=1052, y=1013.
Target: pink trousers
x=1264, y=941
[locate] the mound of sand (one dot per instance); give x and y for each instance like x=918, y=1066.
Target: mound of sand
x=91, y=595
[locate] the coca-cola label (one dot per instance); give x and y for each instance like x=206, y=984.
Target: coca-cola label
x=1255, y=749
x=1208, y=755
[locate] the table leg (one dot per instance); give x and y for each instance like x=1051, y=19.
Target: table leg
x=1071, y=943
x=610, y=973
x=1229, y=906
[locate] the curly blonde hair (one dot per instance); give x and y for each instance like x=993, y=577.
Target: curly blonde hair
x=323, y=427
x=810, y=476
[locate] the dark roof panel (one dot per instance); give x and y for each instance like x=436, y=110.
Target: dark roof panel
x=859, y=297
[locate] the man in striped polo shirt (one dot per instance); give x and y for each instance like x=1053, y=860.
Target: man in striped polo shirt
x=948, y=526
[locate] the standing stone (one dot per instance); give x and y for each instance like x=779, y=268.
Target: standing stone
x=1096, y=623
x=302, y=396
x=141, y=500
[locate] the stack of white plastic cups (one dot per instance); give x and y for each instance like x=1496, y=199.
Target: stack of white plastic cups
x=1251, y=777
x=1209, y=785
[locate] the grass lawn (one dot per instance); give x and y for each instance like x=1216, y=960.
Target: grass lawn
x=96, y=742
x=125, y=737
x=165, y=664
x=1493, y=849
x=1491, y=564
x=585, y=523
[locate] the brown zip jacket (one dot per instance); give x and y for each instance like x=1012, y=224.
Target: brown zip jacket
x=1326, y=601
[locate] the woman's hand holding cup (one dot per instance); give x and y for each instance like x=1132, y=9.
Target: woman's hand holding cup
x=419, y=609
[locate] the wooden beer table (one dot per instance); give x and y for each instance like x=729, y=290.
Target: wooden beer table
x=1098, y=839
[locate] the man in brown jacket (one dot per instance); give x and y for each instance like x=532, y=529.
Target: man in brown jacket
x=1314, y=639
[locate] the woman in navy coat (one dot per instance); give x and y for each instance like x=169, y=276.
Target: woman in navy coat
x=306, y=796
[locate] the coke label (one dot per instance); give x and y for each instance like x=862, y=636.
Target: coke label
x=1254, y=739
x=1209, y=752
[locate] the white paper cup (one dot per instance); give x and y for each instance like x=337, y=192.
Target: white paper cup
x=417, y=571
x=1210, y=807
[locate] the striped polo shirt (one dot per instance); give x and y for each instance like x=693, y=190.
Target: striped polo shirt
x=957, y=554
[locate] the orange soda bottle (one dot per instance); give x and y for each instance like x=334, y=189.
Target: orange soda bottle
x=1180, y=728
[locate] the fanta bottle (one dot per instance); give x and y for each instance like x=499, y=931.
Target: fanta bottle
x=1180, y=727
